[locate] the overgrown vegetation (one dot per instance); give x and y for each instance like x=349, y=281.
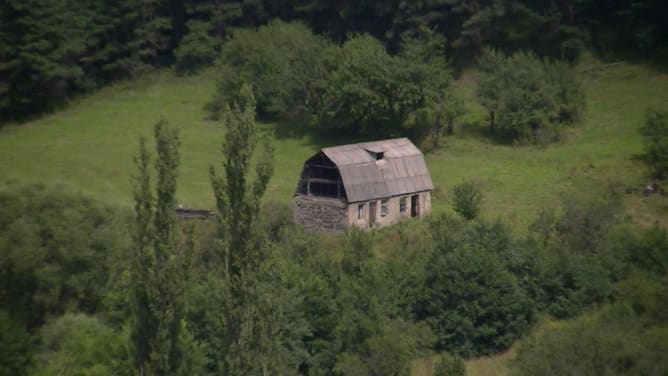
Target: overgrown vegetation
x=579, y=283
x=527, y=99
x=310, y=304
x=655, y=137
x=52, y=50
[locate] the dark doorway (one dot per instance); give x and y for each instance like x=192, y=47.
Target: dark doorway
x=372, y=213
x=415, y=206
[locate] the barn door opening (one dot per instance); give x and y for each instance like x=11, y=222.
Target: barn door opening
x=372, y=213
x=415, y=206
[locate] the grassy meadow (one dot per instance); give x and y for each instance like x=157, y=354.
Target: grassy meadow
x=90, y=146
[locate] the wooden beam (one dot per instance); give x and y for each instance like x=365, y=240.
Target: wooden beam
x=321, y=180
x=321, y=166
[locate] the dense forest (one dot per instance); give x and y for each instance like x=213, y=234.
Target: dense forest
x=52, y=50
x=88, y=287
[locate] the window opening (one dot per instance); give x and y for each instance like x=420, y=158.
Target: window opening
x=384, y=209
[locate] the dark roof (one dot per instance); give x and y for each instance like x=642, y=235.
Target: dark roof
x=400, y=170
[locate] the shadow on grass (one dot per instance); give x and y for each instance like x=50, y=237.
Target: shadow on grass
x=300, y=128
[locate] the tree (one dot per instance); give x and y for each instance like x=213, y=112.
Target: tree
x=158, y=275
x=527, y=99
x=474, y=305
x=238, y=202
x=197, y=48
x=372, y=92
x=283, y=63
x=466, y=198
x=57, y=254
x=43, y=49
x=15, y=347
x=438, y=117
x=655, y=139
x=84, y=345
x=491, y=84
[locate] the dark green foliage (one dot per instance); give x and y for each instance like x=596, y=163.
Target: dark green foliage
x=655, y=140
x=158, y=269
x=82, y=345
x=252, y=317
x=449, y=365
x=358, y=86
x=43, y=52
x=389, y=352
x=473, y=303
x=585, y=222
x=373, y=92
x=527, y=100
x=15, y=347
x=466, y=198
x=238, y=199
x=56, y=250
x=51, y=50
x=282, y=62
x=646, y=250
x=612, y=342
x=197, y=48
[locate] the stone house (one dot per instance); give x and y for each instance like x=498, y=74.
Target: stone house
x=367, y=185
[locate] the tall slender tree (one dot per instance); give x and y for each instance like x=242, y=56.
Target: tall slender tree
x=238, y=201
x=157, y=273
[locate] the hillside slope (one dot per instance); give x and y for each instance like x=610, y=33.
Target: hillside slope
x=90, y=146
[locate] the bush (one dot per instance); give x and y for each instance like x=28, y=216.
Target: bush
x=15, y=347
x=612, y=342
x=449, y=365
x=466, y=199
x=655, y=142
x=78, y=344
x=58, y=249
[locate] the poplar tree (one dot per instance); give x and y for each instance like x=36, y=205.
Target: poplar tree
x=247, y=341
x=237, y=198
x=157, y=274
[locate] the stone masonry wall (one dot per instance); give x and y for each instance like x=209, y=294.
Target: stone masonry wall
x=321, y=214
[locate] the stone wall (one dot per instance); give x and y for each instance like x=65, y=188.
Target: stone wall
x=394, y=213
x=321, y=214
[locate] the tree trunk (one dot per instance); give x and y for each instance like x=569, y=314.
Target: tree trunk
x=437, y=134
x=492, y=126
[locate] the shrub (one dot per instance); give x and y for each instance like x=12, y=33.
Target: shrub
x=449, y=365
x=15, y=346
x=466, y=199
x=612, y=342
x=655, y=143
x=58, y=249
x=78, y=344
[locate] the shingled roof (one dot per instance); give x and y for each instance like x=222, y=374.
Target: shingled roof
x=379, y=169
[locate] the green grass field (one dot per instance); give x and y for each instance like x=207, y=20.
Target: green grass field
x=90, y=146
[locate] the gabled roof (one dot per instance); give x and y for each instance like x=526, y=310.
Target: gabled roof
x=400, y=170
